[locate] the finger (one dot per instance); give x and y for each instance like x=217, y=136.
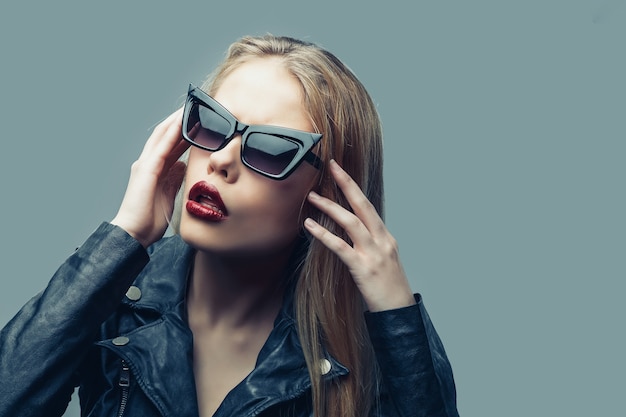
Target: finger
x=174, y=179
x=165, y=135
x=354, y=227
x=170, y=134
x=334, y=243
x=164, y=146
x=177, y=152
x=359, y=203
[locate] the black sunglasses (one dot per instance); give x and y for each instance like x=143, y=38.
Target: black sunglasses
x=272, y=151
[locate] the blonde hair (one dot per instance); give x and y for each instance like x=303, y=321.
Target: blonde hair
x=328, y=306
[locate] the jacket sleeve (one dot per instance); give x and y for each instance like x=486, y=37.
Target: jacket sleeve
x=42, y=347
x=416, y=373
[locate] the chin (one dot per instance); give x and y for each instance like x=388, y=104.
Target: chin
x=206, y=238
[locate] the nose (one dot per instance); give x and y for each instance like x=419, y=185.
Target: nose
x=227, y=161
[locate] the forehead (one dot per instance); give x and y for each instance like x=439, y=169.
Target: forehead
x=263, y=91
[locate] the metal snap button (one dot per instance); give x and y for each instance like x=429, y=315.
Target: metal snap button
x=325, y=366
x=120, y=341
x=133, y=293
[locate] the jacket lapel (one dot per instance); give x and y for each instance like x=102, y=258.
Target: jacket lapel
x=280, y=374
x=160, y=353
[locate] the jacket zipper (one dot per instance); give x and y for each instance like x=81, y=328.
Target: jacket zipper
x=124, y=384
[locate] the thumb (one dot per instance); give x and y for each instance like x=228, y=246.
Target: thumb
x=174, y=179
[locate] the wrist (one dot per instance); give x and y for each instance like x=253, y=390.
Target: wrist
x=390, y=300
x=137, y=236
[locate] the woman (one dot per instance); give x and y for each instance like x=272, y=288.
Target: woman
x=282, y=292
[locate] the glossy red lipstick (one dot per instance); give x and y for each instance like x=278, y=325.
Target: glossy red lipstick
x=205, y=202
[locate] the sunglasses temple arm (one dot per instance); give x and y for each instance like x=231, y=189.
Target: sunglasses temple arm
x=312, y=159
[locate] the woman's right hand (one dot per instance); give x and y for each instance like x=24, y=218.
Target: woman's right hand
x=154, y=180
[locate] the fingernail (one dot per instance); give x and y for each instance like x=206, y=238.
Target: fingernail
x=308, y=222
x=313, y=195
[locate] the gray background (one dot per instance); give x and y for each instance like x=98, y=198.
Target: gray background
x=505, y=143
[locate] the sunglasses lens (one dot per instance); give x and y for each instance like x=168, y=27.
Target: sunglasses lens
x=269, y=153
x=206, y=128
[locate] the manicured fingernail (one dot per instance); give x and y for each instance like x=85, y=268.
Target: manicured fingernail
x=313, y=195
x=308, y=222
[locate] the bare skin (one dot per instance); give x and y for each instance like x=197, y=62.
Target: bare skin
x=234, y=296
x=373, y=258
x=230, y=324
x=235, y=289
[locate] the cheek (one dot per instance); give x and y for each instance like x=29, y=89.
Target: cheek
x=283, y=205
x=280, y=213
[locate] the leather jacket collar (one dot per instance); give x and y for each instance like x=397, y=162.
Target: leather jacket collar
x=159, y=351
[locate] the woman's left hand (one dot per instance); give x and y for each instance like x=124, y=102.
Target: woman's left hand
x=373, y=259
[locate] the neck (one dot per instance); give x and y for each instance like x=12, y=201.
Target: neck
x=236, y=292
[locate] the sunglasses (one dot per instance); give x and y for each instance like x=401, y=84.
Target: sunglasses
x=272, y=151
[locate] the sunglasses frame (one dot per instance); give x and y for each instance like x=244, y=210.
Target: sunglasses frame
x=304, y=140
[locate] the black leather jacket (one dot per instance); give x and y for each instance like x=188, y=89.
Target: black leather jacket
x=134, y=358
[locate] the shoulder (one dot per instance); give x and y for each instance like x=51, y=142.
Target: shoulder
x=163, y=282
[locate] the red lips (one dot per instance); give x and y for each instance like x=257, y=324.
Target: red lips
x=205, y=202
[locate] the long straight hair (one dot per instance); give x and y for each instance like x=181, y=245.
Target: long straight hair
x=328, y=306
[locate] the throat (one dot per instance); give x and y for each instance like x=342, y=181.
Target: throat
x=222, y=358
x=235, y=292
